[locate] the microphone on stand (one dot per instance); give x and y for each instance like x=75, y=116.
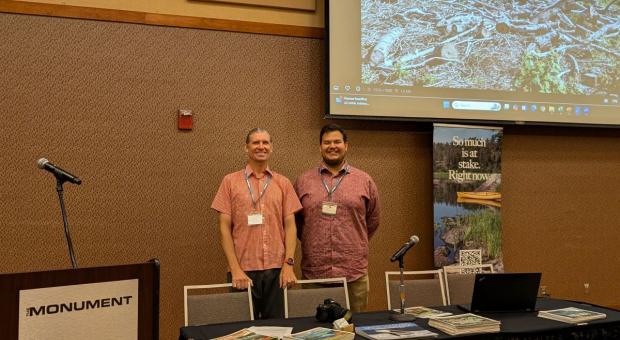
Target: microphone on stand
x=400, y=253
x=405, y=248
x=60, y=174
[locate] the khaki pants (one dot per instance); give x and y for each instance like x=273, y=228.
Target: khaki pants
x=358, y=293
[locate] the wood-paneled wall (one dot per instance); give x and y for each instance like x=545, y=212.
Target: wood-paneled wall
x=100, y=99
x=290, y=18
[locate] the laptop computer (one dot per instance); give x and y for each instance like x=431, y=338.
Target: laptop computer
x=504, y=292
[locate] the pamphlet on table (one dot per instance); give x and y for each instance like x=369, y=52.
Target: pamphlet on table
x=571, y=315
x=403, y=330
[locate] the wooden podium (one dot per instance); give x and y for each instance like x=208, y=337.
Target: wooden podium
x=144, y=308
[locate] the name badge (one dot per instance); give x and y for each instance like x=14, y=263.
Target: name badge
x=255, y=218
x=329, y=208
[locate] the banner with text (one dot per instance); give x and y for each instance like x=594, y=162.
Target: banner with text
x=467, y=195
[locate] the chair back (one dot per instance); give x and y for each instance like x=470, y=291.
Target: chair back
x=210, y=308
x=460, y=282
x=422, y=288
x=302, y=301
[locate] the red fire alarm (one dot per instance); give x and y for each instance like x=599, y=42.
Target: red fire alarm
x=185, y=119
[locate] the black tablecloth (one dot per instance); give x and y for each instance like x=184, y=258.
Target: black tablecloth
x=514, y=325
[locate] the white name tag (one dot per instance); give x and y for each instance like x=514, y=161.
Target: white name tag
x=329, y=208
x=255, y=219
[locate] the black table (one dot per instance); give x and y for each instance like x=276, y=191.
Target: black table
x=514, y=325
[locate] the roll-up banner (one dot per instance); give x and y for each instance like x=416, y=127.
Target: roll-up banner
x=467, y=199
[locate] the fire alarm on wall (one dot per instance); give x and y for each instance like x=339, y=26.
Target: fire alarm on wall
x=185, y=119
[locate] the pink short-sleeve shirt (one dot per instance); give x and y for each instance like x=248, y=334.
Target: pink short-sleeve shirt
x=257, y=247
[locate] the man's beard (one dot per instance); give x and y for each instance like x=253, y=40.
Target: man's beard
x=333, y=162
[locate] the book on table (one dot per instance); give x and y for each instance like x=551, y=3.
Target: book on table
x=571, y=315
x=465, y=324
x=424, y=312
x=321, y=333
x=403, y=330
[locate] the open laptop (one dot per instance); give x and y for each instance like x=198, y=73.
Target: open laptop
x=504, y=292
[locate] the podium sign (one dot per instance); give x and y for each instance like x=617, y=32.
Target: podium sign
x=115, y=302
x=104, y=310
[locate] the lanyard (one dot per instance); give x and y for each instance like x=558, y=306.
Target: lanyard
x=260, y=194
x=332, y=190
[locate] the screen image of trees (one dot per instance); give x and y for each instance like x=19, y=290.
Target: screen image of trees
x=553, y=46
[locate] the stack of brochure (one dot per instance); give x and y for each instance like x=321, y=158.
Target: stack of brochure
x=424, y=312
x=465, y=324
x=322, y=334
x=404, y=330
x=571, y=315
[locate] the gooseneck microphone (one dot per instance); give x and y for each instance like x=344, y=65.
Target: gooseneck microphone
x=403, y=250
x=60, y=174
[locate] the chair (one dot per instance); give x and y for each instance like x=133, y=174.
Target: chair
x=203, y=309
x=419, y=291
x=303, y=301
x=460, y=282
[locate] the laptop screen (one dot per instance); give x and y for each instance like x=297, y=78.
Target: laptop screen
x=505, y=292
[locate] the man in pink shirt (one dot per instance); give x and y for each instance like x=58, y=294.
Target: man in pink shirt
x=256, y=209
x=340, y=214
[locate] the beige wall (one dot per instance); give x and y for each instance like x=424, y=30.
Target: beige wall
x=209, y=9
x=100, y=99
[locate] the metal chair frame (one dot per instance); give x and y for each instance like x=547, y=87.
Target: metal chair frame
x=211, y=286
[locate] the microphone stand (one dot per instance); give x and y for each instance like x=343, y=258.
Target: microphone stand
x=59, y=189
x=401, y=316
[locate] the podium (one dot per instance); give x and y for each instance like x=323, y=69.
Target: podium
x=120, y=302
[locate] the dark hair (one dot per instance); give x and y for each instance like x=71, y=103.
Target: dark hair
x=331, y=128
x=253, y=131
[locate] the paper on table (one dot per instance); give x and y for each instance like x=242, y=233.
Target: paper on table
x=273, y=331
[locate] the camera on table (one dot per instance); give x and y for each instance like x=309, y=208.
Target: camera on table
x=331, y=310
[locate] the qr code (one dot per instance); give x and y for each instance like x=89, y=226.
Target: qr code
x=470, y=257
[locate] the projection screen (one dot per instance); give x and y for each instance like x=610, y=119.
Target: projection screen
x=539, y=62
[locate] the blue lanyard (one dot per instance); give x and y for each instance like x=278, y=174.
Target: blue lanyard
x=260, y=194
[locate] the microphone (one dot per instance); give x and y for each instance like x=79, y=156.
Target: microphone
x=403, y=250
x=60, y=174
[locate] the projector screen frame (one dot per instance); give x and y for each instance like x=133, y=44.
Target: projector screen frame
x=421, y=117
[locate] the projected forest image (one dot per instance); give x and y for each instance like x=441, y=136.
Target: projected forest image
x=552, y=46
